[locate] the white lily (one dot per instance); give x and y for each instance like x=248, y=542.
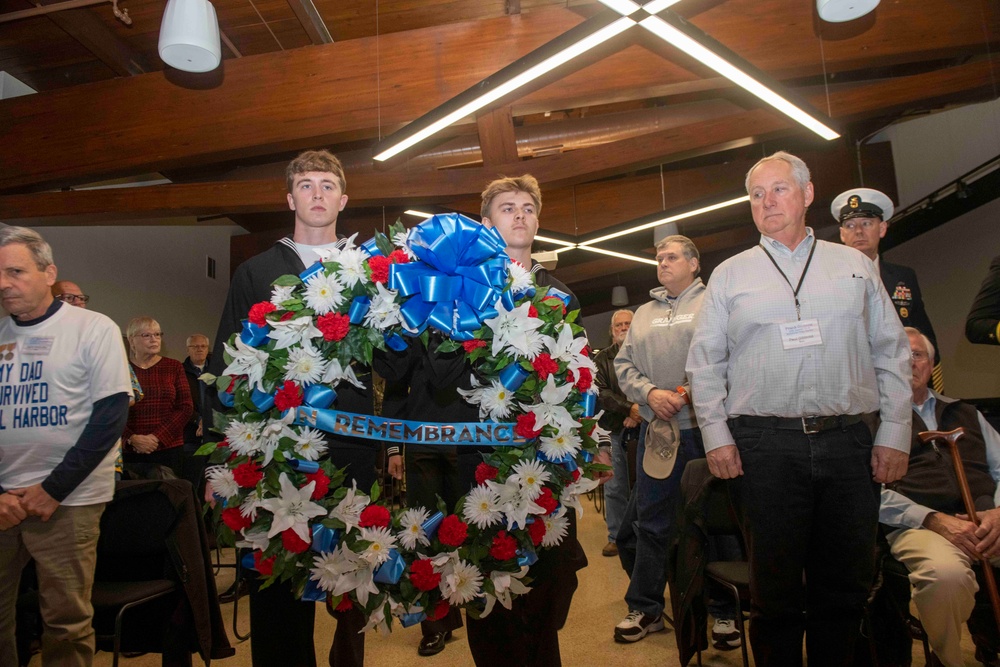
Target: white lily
x=257, y=540
x=505, y=584
x=348, y=510
x=298, y=330
x=570, y=497
x=247, y=361
x=515, y=503
x=550, y=411
x=292, y=509
x=383, y=312
x=272, y=433
x=514, y=329
x=335, y=373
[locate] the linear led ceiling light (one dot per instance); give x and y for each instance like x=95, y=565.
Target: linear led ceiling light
x=602, y=251
x=695, y=43
x=419, y=214
x=549, y=239
x=666, y=220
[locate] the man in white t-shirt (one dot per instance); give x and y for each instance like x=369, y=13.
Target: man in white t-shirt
x=64, y=393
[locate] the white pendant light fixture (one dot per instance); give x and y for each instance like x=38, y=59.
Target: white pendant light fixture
x=840, y=11
x=189, y=36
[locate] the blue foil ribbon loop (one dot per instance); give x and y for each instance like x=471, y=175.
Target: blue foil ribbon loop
x=559, y=294
x=395, y=342
x=589, y=404
x=371, y=247
x=311, y=271
x=432, y=524
x=559, y=460
x=461, y=273
x=324, y=540
x=390, y=571
x=303, y=466
x=262, y=400
x=319, y=396
x=527, y=558
x=586, y=456
x=359, y=308
x=407, y=620
x=247, y=562
x=254, y=334
x=570, y=464
x=226, y=399
x=527, y=292
x=513, y=376
x=312, y=592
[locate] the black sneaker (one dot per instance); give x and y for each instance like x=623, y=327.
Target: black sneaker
x=636, y=626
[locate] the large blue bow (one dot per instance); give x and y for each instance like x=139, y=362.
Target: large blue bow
x=461, y=273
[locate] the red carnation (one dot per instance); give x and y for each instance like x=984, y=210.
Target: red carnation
x=232, y=517
x=288, y=397
x=440, y=611
x=452, y=531
x=399, y=257
x=526, y=426
x=263, y=565
x=374, y=515
x=333, y=325
x=287, y=316
x=585, y=351
x=292, y=542
x=537, y=531
x=585, y=380
x=258, y=312
x=232, y=385
x=573, y=476
x=423, y=576
x=504, y=546
x=485, y=472
x=532, y=311
x=547, y=501
x=322, y=483
x=379, y=266
x=475, y=343
x=248, y=474
x=345, y=604
x=544, y=365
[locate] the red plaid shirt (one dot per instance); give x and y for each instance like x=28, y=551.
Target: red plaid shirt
x=165, y=407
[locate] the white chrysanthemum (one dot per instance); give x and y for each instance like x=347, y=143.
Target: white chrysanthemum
x=521, y=278
x=383, y=312
x=281, y=294
x=382, y=540
x=296, y=331
x=352, y=266
x=401, y=241
x=349, y=509
x=243, y=437
x=556, y=525
x=531, y=475
x=412, y=531
x=324, y=293
x=494, y=400
x=563, y=443
x=482, y=507
x=516, y=331
x=304, y=365
x=247, y=360
x=221, y=479
x=462, y=584
x=310, y=444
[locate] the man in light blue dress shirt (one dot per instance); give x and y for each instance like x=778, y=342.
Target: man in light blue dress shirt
x=796, y=349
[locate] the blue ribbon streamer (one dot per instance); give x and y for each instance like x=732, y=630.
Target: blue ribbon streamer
x=311, y=271
x=432, y=524
x=513, y=376
x=407, y=620
x=359, y=308
x=312, y=592
x=371, y=247
x=390, y=571
x=527, y=558
x=303, y=466
x=586, y=456
x=324, y=540
x=319, y=396
x=254, y=334
x=262, y=400
x=226, y=399
x=589, y=404
x=395, y=342
x=369, y=427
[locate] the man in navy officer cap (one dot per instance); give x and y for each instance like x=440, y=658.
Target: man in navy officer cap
x=862, y=214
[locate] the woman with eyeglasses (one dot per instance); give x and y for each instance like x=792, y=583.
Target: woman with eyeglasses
x=154, y=435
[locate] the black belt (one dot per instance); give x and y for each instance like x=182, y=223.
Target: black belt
x=812, y=424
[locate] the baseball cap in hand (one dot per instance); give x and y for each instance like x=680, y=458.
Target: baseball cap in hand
x=662, y=442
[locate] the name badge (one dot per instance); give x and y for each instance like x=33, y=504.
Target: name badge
x=804, y=333
x=38, y=345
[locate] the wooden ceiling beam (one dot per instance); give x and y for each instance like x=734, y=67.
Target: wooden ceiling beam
x=311, y=20
x=96, y=37
x=496, y=136
x=150, y=123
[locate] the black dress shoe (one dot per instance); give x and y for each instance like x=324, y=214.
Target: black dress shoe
x=433, y=643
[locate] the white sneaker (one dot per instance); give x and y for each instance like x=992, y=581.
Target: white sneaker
x=636, y=626
x=725, y=635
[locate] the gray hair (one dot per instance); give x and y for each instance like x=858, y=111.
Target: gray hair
x=137, y=324
x=927, y=341
x=193, y=336
x=40, y=250
x=799, y=169
x=688, y=247
x=611, y=327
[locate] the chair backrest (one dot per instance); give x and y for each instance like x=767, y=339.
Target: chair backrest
x=135, y=528
x=718, y=515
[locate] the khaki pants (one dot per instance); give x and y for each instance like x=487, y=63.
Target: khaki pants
x=65, y=553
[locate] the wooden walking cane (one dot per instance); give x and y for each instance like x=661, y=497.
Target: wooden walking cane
x=950, y=438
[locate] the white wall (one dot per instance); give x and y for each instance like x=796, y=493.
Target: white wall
x=152, y=270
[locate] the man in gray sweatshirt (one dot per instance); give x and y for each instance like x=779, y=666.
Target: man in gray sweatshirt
x=650, y=370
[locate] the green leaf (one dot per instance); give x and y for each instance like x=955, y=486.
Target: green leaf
x=384, y=244
x=222, y=382
x=207, y=449
x=449, y=346
x=287, y=280
x=376, y=492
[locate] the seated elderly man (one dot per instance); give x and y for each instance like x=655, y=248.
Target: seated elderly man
x=931, y=534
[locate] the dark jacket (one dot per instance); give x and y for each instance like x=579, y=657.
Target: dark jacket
x=616, y=406
x=199, y=395
x=983, y=323
x=901, y=284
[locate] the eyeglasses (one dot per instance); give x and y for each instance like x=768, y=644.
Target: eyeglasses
x=866, y=224
x=918, y=356
x=73, y=298
x=149, y=335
